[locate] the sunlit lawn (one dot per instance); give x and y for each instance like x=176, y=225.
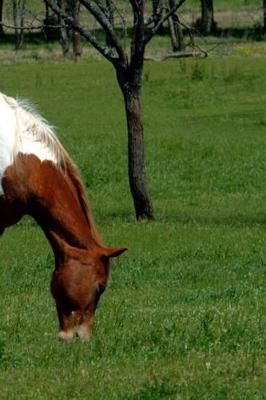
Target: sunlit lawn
x=184, y=314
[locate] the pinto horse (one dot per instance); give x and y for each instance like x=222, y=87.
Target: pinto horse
x=38, y=178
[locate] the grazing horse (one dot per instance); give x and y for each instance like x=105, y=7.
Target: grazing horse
x=38, y=178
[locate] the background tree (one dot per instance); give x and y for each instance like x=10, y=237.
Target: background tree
x=264, y=15
x=128, y=68
x=64, y=39
x=50, y=25
x=207, y=24
x=175, y=29
x=64, y=33
x=19, y=7
x=73, y=8
x=1, y=17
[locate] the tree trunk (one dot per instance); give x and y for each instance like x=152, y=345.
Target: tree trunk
x=136, y=164
x=73, y=8
x=77, y=47
x=18, y=17
x=175, y=29
x=136, y=168
x=264, y=15
x=63, y=31
x=207, y=23
x=1, y=17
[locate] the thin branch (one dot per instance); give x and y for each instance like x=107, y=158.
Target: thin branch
x=104, y=51
x=123, y=20
x=107, y=26
x=192, y=41
x=102, y=7
x=162, y=20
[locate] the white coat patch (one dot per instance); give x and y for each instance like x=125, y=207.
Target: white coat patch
x=23, y=131
x=7, y=137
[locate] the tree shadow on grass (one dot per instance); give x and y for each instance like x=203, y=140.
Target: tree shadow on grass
x=230, y=220
x=256, y=33
x=233, y=220
x=36, y=38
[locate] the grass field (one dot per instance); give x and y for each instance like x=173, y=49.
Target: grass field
x=184, y=315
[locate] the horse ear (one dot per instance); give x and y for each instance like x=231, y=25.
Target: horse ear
x=115, y=251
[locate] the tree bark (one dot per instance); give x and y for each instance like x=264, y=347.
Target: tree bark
x=73, y=10
x=175, y=29
x=1, y=17
x=207, y=23
x=264, y=15
x=18, y=17
x=63, y=31
x=136, y=165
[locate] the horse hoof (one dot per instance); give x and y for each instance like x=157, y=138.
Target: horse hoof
x=83, y=335
x=65, y=336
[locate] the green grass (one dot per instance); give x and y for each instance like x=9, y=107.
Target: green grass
x=184, y=315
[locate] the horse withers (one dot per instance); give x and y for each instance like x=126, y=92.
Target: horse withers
x=38, y=178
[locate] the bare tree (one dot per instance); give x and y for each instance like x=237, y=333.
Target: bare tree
x=207, y=24
x=175, y=29
x=129, y=68
x=50, y=25
x=63, y=31
x=264, y=15
x=1, y=17
x=19, y=7
x=73, y=7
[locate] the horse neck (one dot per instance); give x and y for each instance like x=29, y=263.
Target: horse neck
x=63, y=215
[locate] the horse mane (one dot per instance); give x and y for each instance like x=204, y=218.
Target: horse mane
x=74, y=175
x=43, y=132
x=29, y=120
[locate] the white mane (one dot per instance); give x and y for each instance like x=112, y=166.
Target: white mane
x=23, y=130
x=33, y=134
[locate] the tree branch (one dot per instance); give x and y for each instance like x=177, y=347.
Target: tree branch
x=137, y=41
x=104, y=51
x=162, y=20
x=102, y=7
x=107, y=26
